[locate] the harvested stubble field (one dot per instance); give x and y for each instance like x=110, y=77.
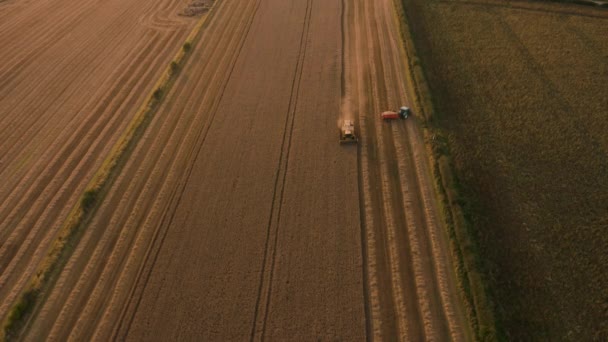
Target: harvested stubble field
x=70, y=76
x=236, y=214
x=519, y=90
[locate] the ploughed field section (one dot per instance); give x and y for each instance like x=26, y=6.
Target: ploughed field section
x=72, y=75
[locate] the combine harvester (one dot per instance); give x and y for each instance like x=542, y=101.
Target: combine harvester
x=403, y=113
x=347, y=132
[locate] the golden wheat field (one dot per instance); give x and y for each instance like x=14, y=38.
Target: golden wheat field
x=519, y=89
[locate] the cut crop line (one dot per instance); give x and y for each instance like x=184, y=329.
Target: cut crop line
x=58, y=191
x=19, y=129
x=38, y=42
x=420, y=314
x=346, y=58
x=31, y=127
x=378, y=86
x=441, y=262
x=43, y=181
x=295, y=92
x=28, y=245
x=86, y=206
x=169, y=215
x=178, y=139
x=85, y=280
x=368, y=229
x=436, y=258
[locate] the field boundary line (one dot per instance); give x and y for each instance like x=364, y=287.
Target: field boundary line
x=24, y=308
x=463, y=249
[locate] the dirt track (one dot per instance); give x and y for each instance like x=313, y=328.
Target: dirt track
x=238, y=214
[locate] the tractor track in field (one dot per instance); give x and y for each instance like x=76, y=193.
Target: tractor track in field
x=266, y=276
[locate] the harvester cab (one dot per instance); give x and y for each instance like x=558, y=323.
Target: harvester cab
x=347, y=132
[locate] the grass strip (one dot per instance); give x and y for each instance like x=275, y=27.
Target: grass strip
x=453, y=205
x=69, y=234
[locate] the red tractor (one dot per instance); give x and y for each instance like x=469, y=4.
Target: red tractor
x=403, y=113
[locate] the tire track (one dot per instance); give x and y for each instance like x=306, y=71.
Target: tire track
x=407, y=199
x=283, y=162
x=369, y=276
x=377, y=324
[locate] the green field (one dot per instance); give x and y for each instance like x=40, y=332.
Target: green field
x=521, y=91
